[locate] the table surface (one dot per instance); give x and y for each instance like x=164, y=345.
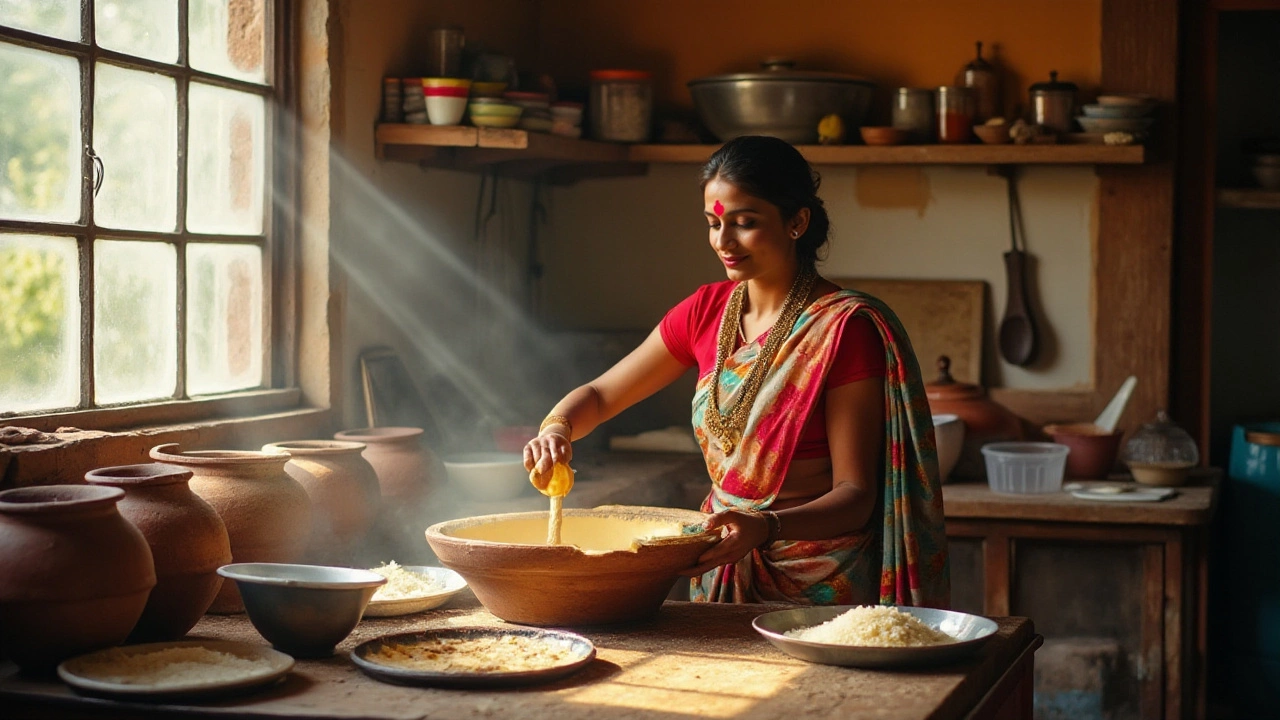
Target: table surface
x=693, y=660
x=1194, y=504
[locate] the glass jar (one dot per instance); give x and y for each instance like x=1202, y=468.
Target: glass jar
x=1053, y=103
x=981, y=76
x=913, y=111
x=1161, y=453
x=955, y=114
x=621, y=105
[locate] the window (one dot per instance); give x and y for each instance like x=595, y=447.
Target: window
x=136, y=221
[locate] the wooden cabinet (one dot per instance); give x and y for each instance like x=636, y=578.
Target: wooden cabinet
x=1117, y=589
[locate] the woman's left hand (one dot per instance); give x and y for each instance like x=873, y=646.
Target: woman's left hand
x=741, y=533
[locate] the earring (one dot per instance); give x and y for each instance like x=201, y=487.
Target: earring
x=795, y=233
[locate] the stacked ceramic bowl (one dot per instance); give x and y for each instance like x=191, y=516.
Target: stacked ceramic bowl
x=566, y=119
x=537, y=109
x=1265, y=166
x=1128, y=114
x=446, y=99
x=494, y=113
x=414, y=103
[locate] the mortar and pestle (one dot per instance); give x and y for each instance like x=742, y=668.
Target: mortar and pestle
x=1094, y=446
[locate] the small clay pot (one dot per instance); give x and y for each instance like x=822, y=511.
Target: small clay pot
x=267, y=513
x=74, y=574
x=406, y=468
x=1093, y=450
x=985, y=420
x=188, y=544
x=344, y=493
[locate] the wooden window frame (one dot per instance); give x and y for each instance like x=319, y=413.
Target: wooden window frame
x=278, y=391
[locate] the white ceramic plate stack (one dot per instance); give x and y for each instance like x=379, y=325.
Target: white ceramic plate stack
x=1119, y=114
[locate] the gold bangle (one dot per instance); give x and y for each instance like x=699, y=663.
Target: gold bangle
x=556, y=420
x=775, y=527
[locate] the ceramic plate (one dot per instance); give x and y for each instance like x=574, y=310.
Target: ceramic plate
x=1128, y=495
x=100, y=672
x=579, y=650
x=453, y=584
x=971, y=631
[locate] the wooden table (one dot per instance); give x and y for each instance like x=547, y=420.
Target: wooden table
x=1166, y=544
x=694, y=660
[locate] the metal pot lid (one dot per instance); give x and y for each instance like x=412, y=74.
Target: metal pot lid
x=782, y=69
x=1054, y=85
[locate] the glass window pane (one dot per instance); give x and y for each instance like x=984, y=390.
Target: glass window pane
x=227, y=37
x=146, y=28
x=135, y=335
x=226, y=161
x=135, y=132
x=39, y=135
x=224, y=318
x=40, y=324
x=56, y=18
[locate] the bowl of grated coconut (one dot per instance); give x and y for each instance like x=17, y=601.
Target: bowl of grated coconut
x=873, y=636
x=412, y=588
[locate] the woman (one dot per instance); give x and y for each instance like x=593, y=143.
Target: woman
x=809, y=409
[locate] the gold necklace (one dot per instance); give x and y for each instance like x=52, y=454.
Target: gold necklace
x=728, y=429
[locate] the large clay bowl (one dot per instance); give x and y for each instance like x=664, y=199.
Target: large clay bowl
x=602, y=574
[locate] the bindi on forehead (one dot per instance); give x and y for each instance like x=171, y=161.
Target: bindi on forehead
x=718, y=208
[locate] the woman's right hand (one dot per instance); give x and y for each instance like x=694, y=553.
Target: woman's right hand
x=543, y=452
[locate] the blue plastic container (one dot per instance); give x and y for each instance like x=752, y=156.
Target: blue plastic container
x=1251, y=516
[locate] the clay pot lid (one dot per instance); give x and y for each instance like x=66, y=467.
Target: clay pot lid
x=378, y=434
x=43, y=499
x=948, y=388
x=173, y=453
x=315, y=447
x=1263, y=437
x=143, y=474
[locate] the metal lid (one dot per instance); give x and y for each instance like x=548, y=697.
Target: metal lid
x=782, y=69
x=1054, y=85
x=979, y=64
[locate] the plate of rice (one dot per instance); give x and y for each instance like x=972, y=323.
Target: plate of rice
x=186, y=668
x=412, y=589
x=875, y=636
x=474, y=656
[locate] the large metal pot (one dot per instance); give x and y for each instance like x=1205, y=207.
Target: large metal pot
x=779, y=101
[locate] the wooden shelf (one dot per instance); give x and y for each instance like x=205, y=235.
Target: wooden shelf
x=1254, y=198
x=1064, y=154
x=561, y=160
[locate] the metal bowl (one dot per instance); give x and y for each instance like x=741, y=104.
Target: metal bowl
x=970, y=631
x=303, y=610
x=779, y=101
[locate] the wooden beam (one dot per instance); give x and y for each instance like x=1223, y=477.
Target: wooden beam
x=1132, y=253
x=1065, y=154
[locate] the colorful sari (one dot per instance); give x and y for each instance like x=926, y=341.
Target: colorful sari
x=900, y=557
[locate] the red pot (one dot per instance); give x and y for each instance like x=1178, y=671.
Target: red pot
x=985, y=420
x=344, y=493
x=188, y=544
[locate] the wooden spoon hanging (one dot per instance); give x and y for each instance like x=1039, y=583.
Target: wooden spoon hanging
x=1017, y=330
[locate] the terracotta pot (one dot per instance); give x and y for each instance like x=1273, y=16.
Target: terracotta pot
x=406, y=468
x=1093, y=450
x=266, y=512
x=985, y=420
x=344, y=493
x=519, y=578
x=74, y=574
x=188, y=544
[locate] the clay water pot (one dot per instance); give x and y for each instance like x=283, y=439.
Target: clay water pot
x=74, y=574
x=985, y=420
x=344, y=493
x=602, y=573
x=266, y=512
x=406, y=468
x=188, y=544
x=1093, y=450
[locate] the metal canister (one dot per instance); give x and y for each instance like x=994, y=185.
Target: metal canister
x=621, y=107
x=913, y=112
x=1053, y=104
